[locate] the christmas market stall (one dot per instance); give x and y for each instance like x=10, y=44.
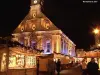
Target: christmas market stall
x=12, y=58
x=20, y=58
x=44, y=62
x=90, y=54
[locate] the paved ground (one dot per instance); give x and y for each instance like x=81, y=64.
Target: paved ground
x=72, y=71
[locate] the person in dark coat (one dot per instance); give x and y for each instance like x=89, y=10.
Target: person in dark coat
x=92, y=67
x=58, y=65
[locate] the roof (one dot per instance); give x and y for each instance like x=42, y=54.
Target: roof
x=33, y=22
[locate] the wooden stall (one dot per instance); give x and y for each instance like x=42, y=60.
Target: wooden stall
x=17, y=61
x=44, y=62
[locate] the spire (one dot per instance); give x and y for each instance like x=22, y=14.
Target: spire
x=35, y=2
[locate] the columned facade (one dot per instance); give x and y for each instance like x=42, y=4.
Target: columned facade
x=36, y=30
x=40, y=43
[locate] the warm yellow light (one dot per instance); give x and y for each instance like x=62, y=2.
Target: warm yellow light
x=35, y=1
x=99, y=45
x=99, y=63
x=3, y=62
x=96, y=31
x=12, y=61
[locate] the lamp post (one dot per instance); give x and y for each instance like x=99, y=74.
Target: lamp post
x=97, y=42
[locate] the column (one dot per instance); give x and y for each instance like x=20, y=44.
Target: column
x=58, y=44
x=39, y=43
x=62, y=45
x=66, y=48
x=52, y=44
x=27, y=39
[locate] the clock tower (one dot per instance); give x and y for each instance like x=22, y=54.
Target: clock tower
x=37, y=30
x=35, y=8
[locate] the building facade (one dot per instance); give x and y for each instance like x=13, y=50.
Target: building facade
x=37, y=31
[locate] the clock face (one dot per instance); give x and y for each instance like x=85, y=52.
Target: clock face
x=22, y=28
x=45, y=23
x=47, y=26
x=33, y=27
x=34, y=15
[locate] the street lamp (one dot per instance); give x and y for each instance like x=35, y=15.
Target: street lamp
x=99, y=45
x=97, y=41
x=96, y=32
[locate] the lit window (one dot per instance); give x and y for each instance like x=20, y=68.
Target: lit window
x=12, y=61
x=62, y=46
x=33, y=45
x=65, y=50
x=48, y=46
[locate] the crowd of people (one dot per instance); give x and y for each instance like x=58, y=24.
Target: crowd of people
x=90, y=68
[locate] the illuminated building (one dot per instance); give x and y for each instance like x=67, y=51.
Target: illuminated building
x=37, y=30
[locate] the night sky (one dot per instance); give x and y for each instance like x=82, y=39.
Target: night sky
x=75, y=18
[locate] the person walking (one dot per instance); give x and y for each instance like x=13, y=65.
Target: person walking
x=58, y=66
x=84, y=67
x=92, y=67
